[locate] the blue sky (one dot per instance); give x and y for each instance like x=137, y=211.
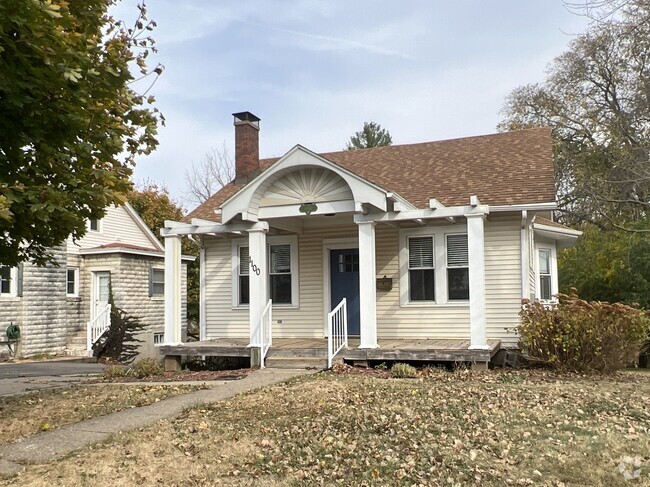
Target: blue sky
x=314, y=71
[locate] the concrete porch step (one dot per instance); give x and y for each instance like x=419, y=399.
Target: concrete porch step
x=284, y=362
x=297, y=352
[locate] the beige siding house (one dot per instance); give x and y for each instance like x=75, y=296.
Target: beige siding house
x=55, y=305
x=379, y=253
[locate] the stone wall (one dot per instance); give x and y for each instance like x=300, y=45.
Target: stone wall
x=43, y=324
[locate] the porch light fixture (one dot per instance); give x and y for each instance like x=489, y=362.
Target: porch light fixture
x=307, y=208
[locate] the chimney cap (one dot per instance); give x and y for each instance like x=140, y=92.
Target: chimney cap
x=246, y=117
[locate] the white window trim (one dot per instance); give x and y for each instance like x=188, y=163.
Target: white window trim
x=447, y=267
x=554, y=279
x=75, y=293
x=99, y=225
x=292, y=240
x=439, y=235
x=13, y=285
x=161, y=295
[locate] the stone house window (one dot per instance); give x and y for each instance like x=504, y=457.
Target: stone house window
x=156, y=282
x=72, y=282
x=10, y=281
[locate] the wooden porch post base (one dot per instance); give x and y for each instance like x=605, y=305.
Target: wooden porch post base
x=482, y=366
x=255, y=357
x=172, y=363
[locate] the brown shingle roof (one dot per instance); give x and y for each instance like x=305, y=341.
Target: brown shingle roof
x=501, y=169
x=550, y=223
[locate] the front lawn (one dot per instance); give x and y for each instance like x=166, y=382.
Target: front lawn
x=34, y=412
x=450, y=429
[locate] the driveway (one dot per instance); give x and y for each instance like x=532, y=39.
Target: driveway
x=19, y=378
x=50, y=368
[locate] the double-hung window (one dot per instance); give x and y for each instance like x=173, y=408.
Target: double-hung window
x=457, y=267
x=421, y=268
x=545, y=280
x=72, y=282
x=7, y=281
x=280, y=273
x=156, y=282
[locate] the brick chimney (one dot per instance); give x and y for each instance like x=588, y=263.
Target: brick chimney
x=247, y=147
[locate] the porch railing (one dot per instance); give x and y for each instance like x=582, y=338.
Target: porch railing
x=265, y=331
x=97, y=327
x=337, y=331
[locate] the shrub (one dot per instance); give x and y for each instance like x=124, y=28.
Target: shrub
x=582, y=336
x=147, y=367
x=113, y=371
x=403, y=371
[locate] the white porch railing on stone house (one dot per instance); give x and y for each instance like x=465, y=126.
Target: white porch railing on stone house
x=264, y=332
x=97, y=327
x=337, y=331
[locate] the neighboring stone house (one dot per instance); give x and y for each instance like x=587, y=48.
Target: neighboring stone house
x=54, y=304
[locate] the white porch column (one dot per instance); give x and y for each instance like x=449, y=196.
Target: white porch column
x=172, y=290
x=476, y=246
x=367, y=285
x=257, y=281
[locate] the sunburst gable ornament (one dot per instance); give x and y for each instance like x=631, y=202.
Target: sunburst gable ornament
x=307, y=208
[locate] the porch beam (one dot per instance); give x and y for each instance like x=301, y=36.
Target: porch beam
x=367, y=285
x=476, y=248
x=293, y=226
x=178, y=228
x=425, y=214
x=172, y=290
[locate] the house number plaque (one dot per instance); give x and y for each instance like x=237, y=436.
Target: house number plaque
x=254, y=268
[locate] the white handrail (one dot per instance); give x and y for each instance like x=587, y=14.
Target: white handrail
x=265, y=330
x=337, y=331
x=97, y=327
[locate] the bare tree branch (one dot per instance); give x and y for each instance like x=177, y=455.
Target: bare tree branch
x=213, y=172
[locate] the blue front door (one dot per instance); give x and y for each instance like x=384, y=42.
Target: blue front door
x=344, y=283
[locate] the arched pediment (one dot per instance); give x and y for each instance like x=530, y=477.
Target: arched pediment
x=306, y=185
x=301, y=176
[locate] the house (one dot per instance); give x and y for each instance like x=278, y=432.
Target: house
x=56, y=305
x=422, y=251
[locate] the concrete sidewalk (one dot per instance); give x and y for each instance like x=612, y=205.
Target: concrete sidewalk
x=48, y=446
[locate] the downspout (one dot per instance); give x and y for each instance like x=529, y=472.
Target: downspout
x=523, y=239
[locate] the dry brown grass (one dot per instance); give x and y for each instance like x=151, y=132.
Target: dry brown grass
x=494, y=430
x=44, y=410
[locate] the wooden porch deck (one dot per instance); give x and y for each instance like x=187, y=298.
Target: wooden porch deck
x=406, y=349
